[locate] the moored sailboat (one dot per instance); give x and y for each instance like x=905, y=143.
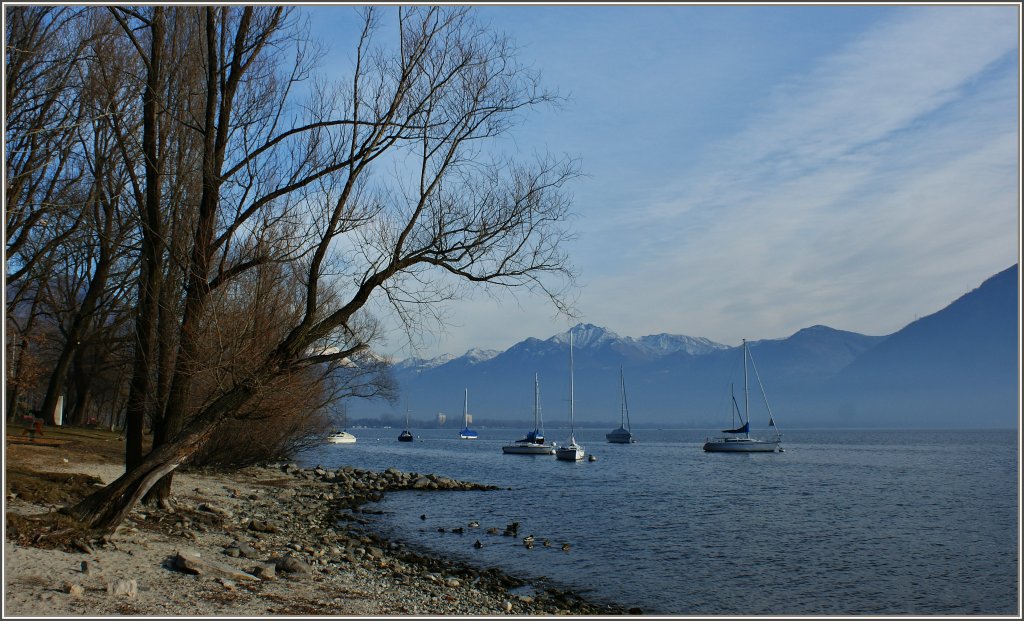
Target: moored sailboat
x=340, y=436
x=570, y=451
x=739, y=440
x=622, y=435
x=406, y=435
x=533, y=443
x=467, y=433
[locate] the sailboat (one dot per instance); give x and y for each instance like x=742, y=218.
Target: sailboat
x=467, y=433
x=739, y=440
x=533, y=442
x=406, y=435
x=341, y=436
x=570, y=451
x=622, y=435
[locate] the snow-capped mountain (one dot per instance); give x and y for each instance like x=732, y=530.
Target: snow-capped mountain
x=476, y=355
x=931, y=371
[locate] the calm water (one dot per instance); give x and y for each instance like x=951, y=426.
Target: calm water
x=843, y=522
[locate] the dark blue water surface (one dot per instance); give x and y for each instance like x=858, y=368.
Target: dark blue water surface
x=842, y=522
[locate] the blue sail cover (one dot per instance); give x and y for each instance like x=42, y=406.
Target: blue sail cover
x=534, y=437
x=744, y=429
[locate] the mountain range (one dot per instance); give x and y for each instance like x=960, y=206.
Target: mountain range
x=956, y=368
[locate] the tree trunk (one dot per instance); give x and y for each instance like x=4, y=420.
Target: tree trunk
x=14, y=379
x=105, y=509
x=151, y=271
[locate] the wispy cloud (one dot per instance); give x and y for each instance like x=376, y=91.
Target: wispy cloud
x=893, y=161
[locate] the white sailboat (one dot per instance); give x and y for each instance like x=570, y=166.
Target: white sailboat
x=570, y=451
x=467, y=433
x=341, y=436
x=737, y=443
x=622, y=435
x=533, y=443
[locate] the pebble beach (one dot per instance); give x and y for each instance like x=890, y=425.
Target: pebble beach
x=268, y=540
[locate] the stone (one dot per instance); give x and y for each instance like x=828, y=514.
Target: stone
x=421, y=483
x=192, y=562
x=290, y=564
x=205, y=506
x=246, y=550
x=74, y=589
x=265, y=571
x=261, y=527
x=128, y=588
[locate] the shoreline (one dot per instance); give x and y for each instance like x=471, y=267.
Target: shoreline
x=276, y=539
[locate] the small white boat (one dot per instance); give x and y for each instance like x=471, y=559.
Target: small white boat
x=737, y=443
x=622, y=435
x=467, y=433
x=570, y=451
x=341, y=437
x=533, y=443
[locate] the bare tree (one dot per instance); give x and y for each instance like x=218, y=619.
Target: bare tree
x=409, y=204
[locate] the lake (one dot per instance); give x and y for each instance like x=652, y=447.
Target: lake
x=844, y=522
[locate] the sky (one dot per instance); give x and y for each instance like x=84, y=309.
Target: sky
x=750, y=171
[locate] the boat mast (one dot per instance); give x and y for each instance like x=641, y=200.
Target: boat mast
x=746, y=391
x=572, y=407
x=625, y=405
x=536, y=402
x=465, y=410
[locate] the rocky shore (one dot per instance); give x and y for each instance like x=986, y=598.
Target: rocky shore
x=272, y=540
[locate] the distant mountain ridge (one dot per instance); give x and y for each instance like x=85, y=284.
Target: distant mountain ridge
x=958, y=367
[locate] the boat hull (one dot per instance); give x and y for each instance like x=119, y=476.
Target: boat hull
x=405, y=437
x=569, y=453
x=341, y=438
x=528, y=449
x=741, y=445
x=620, y=436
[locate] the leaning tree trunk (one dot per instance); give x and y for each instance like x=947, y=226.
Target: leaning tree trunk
x=105, y=509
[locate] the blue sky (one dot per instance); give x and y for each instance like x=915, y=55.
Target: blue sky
x=754, y=170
